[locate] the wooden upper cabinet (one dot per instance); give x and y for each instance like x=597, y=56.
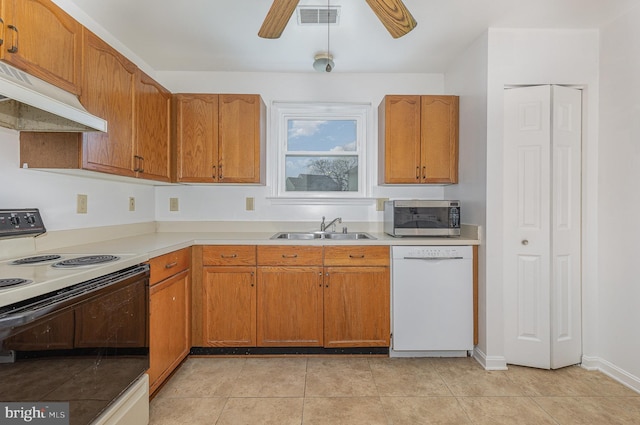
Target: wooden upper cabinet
x=418, y=139
x=219, y=138
x=399, y=121
x=44, y=41
x=109, y=82
x=241, y=138
x=153, y=131
x=439, y=139
x=195, y=124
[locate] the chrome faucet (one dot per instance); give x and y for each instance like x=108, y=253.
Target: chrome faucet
x=323, y=226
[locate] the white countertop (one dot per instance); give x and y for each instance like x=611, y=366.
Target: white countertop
x=155, y=244
x=141, y=247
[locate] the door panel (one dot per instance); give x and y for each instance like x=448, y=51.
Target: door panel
x=566, y=325
x=526, y=244
x=542, y=156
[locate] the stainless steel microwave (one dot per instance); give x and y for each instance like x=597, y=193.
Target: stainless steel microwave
x=422, y=218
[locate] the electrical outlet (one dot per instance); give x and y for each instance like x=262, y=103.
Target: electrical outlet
x=380, y=203
x=82, y=202
x=173, y=204
x=250, y=205
x=132, y=203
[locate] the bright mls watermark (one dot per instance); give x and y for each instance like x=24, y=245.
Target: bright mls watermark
x=34, y=413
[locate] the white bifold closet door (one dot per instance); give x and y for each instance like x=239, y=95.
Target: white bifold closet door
x=541, y=228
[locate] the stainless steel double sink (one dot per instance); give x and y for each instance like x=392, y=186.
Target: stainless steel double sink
x=322, y=235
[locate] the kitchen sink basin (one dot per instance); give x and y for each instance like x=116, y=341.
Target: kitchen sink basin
x=297, y=235
x=348, y=236
x=322, y=235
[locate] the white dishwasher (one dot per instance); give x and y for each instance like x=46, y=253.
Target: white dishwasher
x=432, y=301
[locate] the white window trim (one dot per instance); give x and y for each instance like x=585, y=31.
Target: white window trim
x=281, y=112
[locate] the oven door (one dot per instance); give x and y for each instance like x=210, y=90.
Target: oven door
x=84, y=345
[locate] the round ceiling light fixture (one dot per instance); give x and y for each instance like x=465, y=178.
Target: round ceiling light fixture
x=323, y=62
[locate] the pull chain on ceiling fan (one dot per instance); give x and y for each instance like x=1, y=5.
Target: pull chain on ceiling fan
x=393, y=14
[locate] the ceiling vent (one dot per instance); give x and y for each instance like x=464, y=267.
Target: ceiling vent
x=316, y=15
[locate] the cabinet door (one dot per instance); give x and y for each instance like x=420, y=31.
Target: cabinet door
x=196, y=138
x=400, y=117
x=439, y=139
x=108, y=92
x=169, y=326
x=153, y=115
x=240, y=139
x=41, y=39
x=289, y=306
x=356, y=307
x=229, y=310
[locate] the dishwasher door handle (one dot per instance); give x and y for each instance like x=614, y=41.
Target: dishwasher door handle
x=433, y=258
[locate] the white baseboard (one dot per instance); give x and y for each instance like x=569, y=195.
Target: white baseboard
x=489, y=362
x=611, y=370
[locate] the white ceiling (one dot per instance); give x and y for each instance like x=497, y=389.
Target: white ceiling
x=221, y=35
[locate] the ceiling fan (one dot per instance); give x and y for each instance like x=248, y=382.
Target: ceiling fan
x=392, y=13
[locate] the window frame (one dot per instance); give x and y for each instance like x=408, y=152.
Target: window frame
x=282, y=112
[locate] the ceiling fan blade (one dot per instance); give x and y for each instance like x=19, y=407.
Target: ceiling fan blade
x=394, y=15
x=277, y=18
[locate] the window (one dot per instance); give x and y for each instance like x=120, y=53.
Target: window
x=321, y=150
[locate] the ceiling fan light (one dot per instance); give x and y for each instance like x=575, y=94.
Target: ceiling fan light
x=323, y=63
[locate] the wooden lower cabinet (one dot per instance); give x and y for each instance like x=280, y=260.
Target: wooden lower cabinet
x=356, y=307
x=169, y=328
x=357, y=288
x=229, y=306
x=289, y=306
x=292, y=296
x=169, y=315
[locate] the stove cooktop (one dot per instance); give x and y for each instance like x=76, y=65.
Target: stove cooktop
x=13, y=281
x=29, y=276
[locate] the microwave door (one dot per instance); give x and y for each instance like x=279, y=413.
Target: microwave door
x=421, y=218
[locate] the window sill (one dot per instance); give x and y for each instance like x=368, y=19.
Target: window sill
x=321, y=201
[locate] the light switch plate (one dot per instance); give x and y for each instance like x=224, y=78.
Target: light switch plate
x=250, y=204
x=132, y=203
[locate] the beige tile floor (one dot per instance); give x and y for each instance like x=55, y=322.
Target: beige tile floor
x=376, y=390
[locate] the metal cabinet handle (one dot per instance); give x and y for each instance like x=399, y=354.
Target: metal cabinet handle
x=424, y=172
x=2, y=39
x=139, y=164
x=14, y=45
x=228, y=256
x=290, y=256
x=356, y=256
x=171, y=265
x=213, y=174
x=525, y=242
x=220, y=172
x=417, y=173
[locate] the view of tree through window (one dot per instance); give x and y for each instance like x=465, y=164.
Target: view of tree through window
x=321, y=155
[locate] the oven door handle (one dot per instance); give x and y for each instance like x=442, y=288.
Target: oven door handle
x=14, y=320
x=10, y=322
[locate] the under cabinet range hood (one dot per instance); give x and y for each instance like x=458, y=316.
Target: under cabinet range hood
x=28, y=103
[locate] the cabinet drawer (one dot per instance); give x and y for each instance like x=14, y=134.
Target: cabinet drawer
x=356, y=255
x=291, y=255
x=229, y=255
x=169, y=264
